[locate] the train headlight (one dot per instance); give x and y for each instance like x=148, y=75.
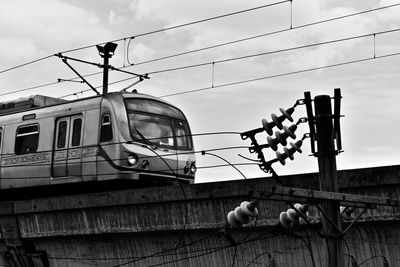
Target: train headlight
x=145, y=164
x=133, y=159
x=186, y=169
x=193, y=168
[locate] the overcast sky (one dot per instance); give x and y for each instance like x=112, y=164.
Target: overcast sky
x=35, y=29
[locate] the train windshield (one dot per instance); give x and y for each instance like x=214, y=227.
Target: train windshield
x=158, y=123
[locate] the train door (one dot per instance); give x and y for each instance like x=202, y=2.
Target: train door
x=67, y=157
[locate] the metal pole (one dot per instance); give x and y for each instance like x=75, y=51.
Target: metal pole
x=105, y=69
x=328, y=181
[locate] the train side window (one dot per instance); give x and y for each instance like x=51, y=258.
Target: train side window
x=62, y=134
x=27, y=139
x=106, y=133
x=76, y=132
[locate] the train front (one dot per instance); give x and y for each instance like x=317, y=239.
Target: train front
x=152, y=140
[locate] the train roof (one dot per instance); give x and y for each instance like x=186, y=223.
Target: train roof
x=26, y=103
x=40, y=101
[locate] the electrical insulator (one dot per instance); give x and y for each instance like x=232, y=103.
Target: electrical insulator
x=286, y=114
x=242, y=214
x=288, y=219
x=277, y=121
x=284, y=220
x=288, y=152
x=273, y=143
x=346, y=212
x=281, y=137
x=287, y=132
x=267, y=126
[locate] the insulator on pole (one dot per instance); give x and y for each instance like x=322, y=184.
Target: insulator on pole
x=292, y=216
x=242, y=214
x=287, y=132
x=284, y=220
x=249, y=208
x=233, y=221
x=282, y=136
x=346, y=212
x=286, y=114
x=288, y=152
x=273, y=143
x=267, y=126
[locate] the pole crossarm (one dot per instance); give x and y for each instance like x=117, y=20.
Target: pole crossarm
x=78, y=60
x=300, y=194
x=143, y=76
x=104, y=66
x=64, y=59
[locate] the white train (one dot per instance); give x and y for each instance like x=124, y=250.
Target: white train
x=119, y=136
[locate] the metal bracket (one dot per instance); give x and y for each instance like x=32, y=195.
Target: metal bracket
x=336, y=119
x=311, y=120
x=64, y=59
x=355, y=220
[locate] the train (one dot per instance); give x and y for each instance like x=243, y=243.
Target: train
x=118, y=136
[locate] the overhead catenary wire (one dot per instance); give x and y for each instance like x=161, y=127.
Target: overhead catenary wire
x=49, y=163
x=276, y=51
x=151, y=32
x=213, y=85
x=138, y=142
x=233, y=166
x=214, y=46
x=281, y=75
x=113, y=173
x=267, y=34
x=25, y=64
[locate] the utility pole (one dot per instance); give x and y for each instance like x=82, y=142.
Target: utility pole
x=331, y=220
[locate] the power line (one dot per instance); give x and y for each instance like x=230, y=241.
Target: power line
x=275, y=51
x=211, y=18
x=201, y=49
x=156, y=138
x=97, y=87
x=263, y=35
x=215, y=249
x=152, y=32
x=30, y=88
x=25, y=64
x=267, y=34
x=281, y=75
x=173, y=251
x=161, y=253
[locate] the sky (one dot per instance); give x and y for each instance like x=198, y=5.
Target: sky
x=240, y=93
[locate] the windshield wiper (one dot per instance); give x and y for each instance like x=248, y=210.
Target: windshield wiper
x=147, y=141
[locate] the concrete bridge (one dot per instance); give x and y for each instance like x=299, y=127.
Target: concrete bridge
x=186, y=226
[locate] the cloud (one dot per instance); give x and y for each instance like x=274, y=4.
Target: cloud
x=49, y=26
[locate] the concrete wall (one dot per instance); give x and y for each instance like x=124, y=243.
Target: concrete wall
x=183, y=226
